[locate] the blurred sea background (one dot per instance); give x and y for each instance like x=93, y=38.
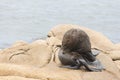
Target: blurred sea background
x=29, y=20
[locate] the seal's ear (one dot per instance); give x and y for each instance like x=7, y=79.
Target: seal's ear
x=59, y=46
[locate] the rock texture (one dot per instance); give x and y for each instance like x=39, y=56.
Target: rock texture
x=39, y=60
x=96, y=38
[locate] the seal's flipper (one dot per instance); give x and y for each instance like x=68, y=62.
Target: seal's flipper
x=88, y=56
x=95, y=52
x=91, y=66
x=96, y=65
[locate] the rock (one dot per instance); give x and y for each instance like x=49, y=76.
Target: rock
x=40, y=52
x=109, y=65
x=19, y=43
x=117, y=62
x=97, y=39
x=39, y=59
x=117, y=46
x=16, y=49
x=15, y=78
x=115, y=55
x=111, y=71
x=53, y=41
x=52, y=71
x=37, y=53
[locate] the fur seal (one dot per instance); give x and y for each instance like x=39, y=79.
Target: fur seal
x=76, y=51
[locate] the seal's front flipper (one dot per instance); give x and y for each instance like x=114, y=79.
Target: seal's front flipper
x=85, y=64
x=96, y=65
x=95, y=52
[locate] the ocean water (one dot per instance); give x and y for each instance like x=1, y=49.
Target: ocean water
x=31, y=19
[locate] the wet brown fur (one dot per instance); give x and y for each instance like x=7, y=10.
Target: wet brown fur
x=76, y=50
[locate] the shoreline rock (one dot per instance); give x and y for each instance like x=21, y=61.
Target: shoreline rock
x=95, y=37
x=39, y=60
